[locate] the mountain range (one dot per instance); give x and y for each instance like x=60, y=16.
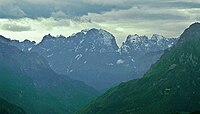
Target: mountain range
x=93, y=56
x=172, y=85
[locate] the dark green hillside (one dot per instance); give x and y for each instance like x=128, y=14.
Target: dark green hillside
x=27, y=81
x=171, y=85
x=7, y=108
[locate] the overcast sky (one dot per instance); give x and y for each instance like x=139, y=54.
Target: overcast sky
x=32, y=19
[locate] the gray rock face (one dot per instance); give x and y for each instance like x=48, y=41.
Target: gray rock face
x=140, y=52
x=93, y=56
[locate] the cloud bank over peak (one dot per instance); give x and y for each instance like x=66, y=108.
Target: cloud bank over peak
x=35, y=18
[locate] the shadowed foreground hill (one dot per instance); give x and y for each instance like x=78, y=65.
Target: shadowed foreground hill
x=171, y=85
x=7, y=108
x=27, y=81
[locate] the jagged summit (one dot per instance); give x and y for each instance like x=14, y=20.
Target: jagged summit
x=145, y=45
x=136, y=38
x=47, y=37
x=95, y=35
x=157, y=37
x=94, y=30
x=28, y=41
x=103, y=35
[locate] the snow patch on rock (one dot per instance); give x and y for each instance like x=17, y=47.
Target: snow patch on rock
x=120, y=61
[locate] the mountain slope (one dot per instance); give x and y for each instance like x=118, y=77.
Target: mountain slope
x=140, y=52
x=171, y=85
x=28, y=81
x=7, y=108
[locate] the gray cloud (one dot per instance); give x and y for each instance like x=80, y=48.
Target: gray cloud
x=121, y=17
x=141, y=13
x=10, y=10
x=77, y=8
x=45, y=8
x=15, y=27
x=182, y=4
x=58, y=14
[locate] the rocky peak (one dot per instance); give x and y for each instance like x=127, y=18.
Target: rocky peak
x=94, y=38
x=48, y=37
x=157, y=37
x=26, y=41
x=100, y=36
x=143, y=44
x=135, y=38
